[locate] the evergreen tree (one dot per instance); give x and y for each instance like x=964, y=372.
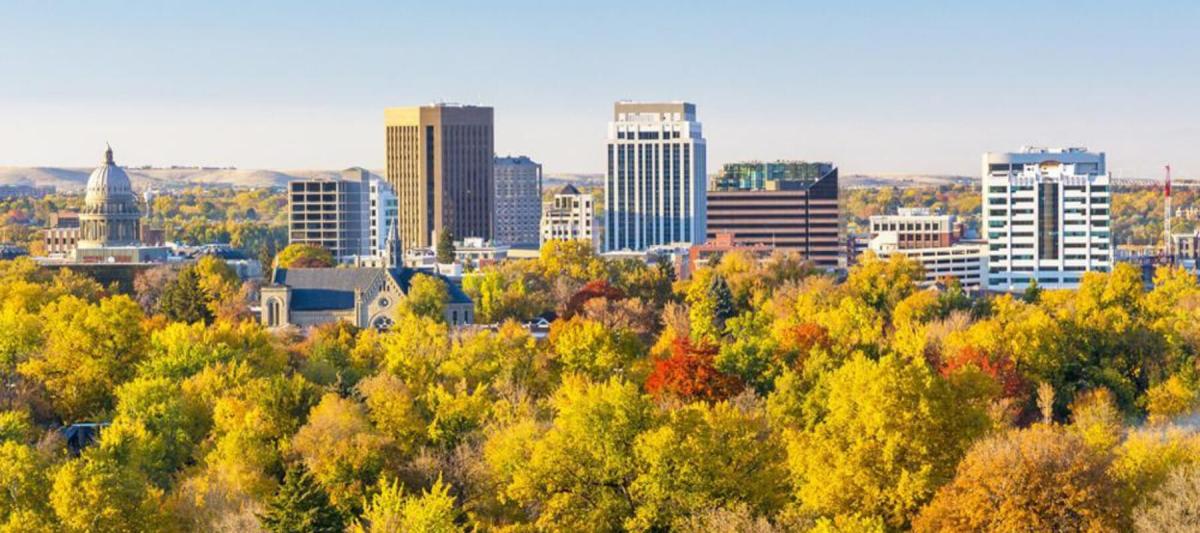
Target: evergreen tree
x=445, y=247
x=1032, y=293
x=185, y=300
x=722, y=297
x=301, y=505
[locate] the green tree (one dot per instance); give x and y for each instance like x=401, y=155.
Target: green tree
x=162, y=425
x=445, y=247
x=185, y=300
x=301, y=505
x=299, y=255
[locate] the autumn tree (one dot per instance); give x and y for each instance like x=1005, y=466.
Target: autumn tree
x=690, y=374
x=301, y=255
x=89, y=349
x=578, y=474
x=887, y=435
x=587, y=347
x=390, y=510
x=597, y=288
x=100, y=491
x=342, y=450
x=705, y=457
x=427, y=297
x=1174, y=507
x=1037, y=479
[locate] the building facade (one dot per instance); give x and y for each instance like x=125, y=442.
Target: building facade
x=917, y=227
x=569, y=217
x=935, y=242
x=655, y=180
x=382, y=215
x=332, y=213
x=439, y=163
x=1046, y=214
x=787, y=205
x=518, y=183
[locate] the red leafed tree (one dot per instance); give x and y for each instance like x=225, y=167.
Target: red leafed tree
x=597, y=288
x=689, y=374
x=1000, y=368
x=804, y=337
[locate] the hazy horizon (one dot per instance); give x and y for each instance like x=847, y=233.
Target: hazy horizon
x=876, y=88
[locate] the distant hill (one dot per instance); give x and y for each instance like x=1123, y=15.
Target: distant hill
x=69, y=179
x=902, y=180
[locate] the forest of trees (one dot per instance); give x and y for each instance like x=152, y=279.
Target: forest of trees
x=755, y=396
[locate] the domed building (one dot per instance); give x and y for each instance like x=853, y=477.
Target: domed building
x=110, y=216
x=110, y=223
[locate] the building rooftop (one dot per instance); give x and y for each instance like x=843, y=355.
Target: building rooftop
x=320, y=289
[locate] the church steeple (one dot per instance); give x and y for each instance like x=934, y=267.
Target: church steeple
x=393, y=251
x=108, y=157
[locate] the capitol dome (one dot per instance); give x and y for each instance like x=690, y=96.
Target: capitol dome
x=108, y=182
x=110, y=216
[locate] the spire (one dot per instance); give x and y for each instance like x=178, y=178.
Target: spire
x=393, y=252
x=108, y=158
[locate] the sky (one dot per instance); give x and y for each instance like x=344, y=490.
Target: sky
x=873, y=86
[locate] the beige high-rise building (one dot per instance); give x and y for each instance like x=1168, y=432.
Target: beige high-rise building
x=439, y=161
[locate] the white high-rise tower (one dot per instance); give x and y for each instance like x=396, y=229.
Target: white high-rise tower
x=655, y=182
x=1046, y=214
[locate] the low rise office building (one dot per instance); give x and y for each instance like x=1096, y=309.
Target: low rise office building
x=569, y=217
x=934, y=241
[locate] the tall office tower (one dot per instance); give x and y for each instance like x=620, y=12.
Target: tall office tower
x=569, y=217
x=654, y=187
x=382, y=213
x=439, y=162
x=518, y=182
x=332, y=213
x=1046, y=213
x=789, y=205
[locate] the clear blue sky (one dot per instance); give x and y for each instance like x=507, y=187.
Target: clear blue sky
x=874, y=86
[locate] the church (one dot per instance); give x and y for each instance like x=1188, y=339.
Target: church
x=365, y=296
